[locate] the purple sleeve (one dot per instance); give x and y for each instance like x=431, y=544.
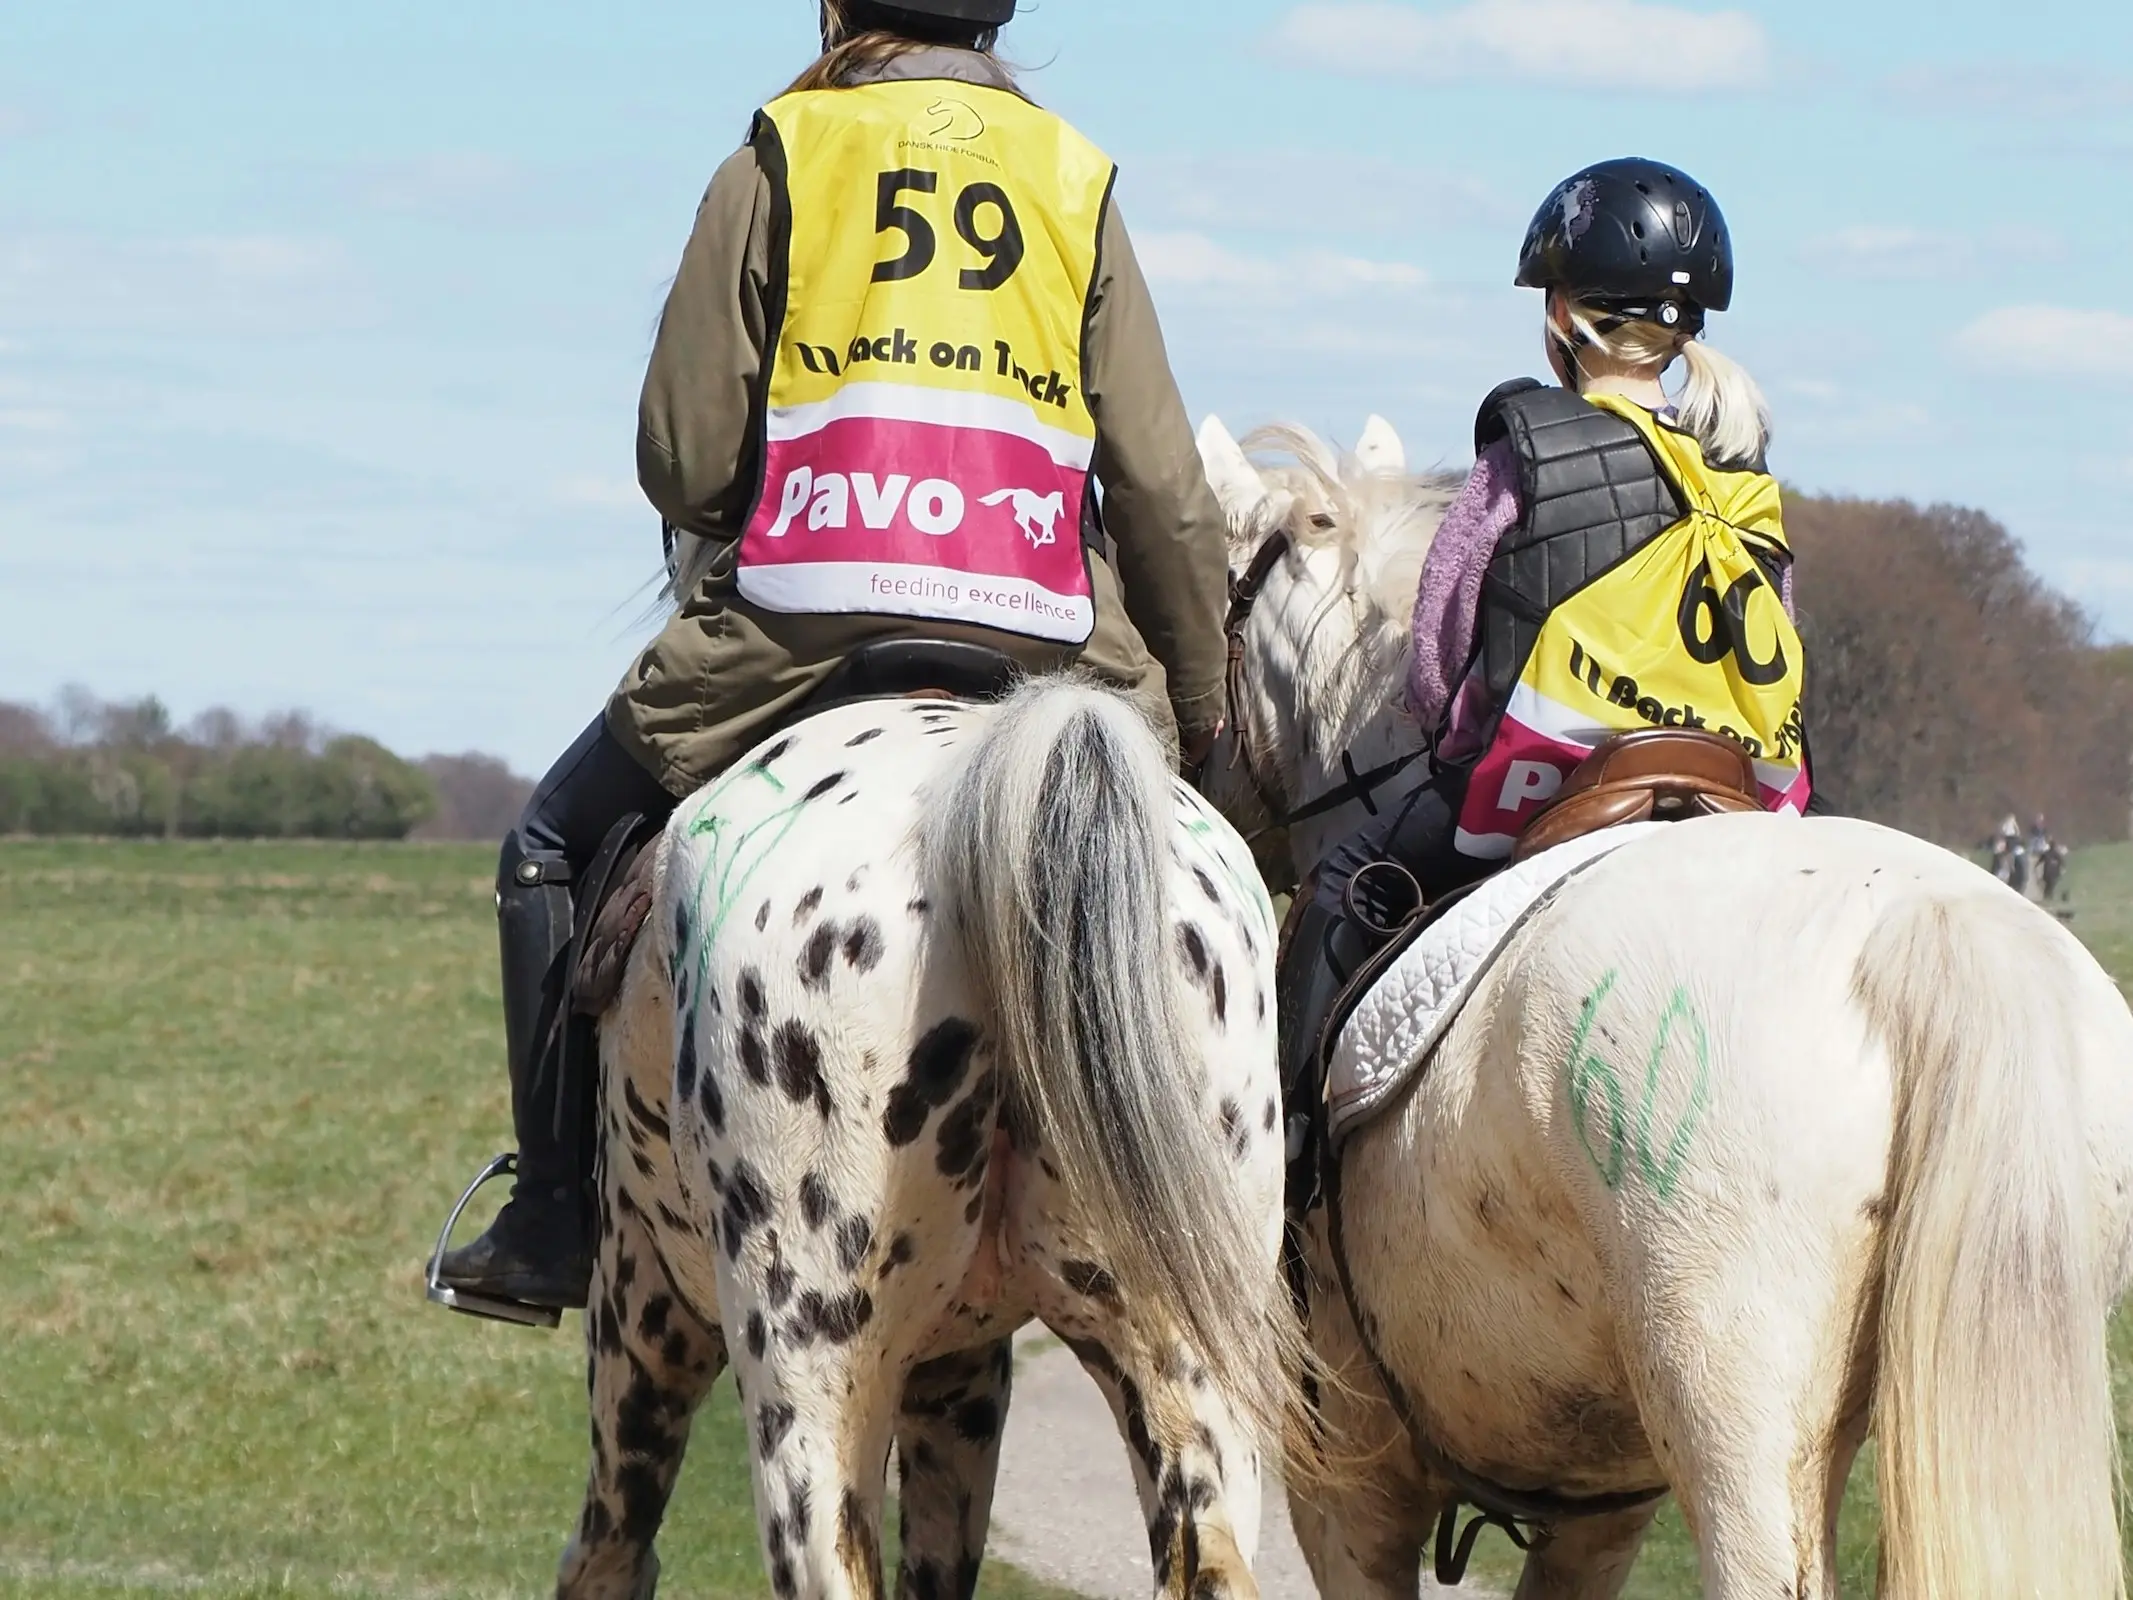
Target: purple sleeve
x=1449, y=605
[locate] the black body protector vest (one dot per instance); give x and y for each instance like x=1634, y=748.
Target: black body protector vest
x=1593, y=496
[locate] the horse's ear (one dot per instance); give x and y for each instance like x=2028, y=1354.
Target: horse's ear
x=1379, y=449
x=1230, y=473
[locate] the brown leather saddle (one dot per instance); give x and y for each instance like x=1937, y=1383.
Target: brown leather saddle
x=1650, y=775
x=620, y=880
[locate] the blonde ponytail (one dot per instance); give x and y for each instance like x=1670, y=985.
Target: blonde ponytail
x=1720, y=404
x=1723, y=407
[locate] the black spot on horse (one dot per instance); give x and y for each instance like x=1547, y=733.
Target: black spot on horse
x=641, y=1419
x=1269, y=1115
x=609, y=1331
x=763, y=762
x=823, y=786
x=758, y=1335
x=868, y=737
x=752, y=995
x=645, y=1120
x=746, y=1206
x=815, y=955
x=1207, y=885
x=753, y=1061
x=978, y=1420
x=1192, y=943
x=817, y=1204
x=682, y=930
x=800, y=1511
x=799, y=1055
x=772, y=1422
x=1086, y=1278
x=1218, y=991
x=762, y=916
x=900, y=1253
x=835, y=1318
x=712, y=1100
x=685, y=1059
x=778, y=1279
x=919, y=907
x=939, y=1062
x=855, y=1237
x=810, y=903
x=964, y=1137
x=863, y=945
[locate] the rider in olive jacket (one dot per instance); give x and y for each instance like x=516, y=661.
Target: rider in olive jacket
x=828, y=484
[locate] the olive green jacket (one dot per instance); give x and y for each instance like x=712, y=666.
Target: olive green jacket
x=698, y=442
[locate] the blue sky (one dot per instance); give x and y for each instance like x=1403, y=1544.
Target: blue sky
x=321, y=327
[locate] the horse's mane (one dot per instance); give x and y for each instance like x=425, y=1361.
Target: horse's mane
x=1379, y=525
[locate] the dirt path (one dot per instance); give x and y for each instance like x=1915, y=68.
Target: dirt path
x=1065, y=1509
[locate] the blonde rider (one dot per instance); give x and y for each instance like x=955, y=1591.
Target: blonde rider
x=1616, y=560
x=907, y=341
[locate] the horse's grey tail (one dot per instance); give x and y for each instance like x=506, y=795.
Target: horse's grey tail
x=1052, y=850
x=1992, y=1394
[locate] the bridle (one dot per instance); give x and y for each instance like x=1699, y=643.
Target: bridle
x=1244, y=592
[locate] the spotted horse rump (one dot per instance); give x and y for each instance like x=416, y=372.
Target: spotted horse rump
x=945, y=1018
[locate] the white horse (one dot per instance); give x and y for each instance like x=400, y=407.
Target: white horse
x=947, y=1017
x=1763, y=1134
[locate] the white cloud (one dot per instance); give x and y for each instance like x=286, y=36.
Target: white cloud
x=2012, y=89
x=1571, y=43
x=2050, y=342
x=209, y=282
x=1309, y=193
x=449, y=185
x=1195, y=261
x=600, y=494
x=1906, y=254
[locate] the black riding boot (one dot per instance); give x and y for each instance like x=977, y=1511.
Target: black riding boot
x=1326, y=950
x=538, y=1251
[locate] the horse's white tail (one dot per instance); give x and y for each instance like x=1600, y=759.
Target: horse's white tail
x=1992, y=1400
x=1052, y=849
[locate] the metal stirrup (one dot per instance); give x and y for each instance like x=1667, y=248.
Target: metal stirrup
x=472, y=1304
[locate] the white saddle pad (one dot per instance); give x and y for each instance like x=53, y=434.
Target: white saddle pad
x=1405, y=1013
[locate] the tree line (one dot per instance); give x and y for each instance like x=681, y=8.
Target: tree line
x=123, y=769
x=1948, y=685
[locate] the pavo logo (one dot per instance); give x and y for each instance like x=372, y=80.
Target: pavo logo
x=953, y=119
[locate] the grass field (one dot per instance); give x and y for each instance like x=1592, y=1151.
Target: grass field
x=241, y=1084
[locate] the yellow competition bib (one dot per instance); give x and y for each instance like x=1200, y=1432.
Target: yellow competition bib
x=1688, y=632
x=928, y=443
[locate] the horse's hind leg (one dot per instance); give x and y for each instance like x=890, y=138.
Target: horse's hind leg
x=1197, y=1472
x=651, y=1362
x=1587, y=1559
x=948, y=1447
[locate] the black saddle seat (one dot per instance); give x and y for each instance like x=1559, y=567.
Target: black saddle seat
x=893, y=668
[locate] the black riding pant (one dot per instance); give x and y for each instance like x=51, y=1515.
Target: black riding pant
x=1420, y=833
x=594, y=784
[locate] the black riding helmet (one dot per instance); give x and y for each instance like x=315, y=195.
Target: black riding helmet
x=1638, y=239
x=976, y=13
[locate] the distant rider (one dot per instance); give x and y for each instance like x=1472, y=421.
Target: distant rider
x=1616, y=560
x=906, y=339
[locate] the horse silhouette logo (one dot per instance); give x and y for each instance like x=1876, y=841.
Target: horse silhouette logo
x=954, y=119
x=1037, y=514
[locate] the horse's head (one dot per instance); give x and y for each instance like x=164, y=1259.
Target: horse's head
x=1325, y=556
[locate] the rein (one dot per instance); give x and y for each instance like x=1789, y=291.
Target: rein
x=1244, y=593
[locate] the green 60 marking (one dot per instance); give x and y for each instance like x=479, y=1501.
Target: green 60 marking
x=1611, y=1136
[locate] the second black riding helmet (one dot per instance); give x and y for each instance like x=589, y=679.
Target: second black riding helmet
x=1634, y=237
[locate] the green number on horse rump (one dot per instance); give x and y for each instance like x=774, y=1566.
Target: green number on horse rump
x=1589, y=1076
x=1585, y=1070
